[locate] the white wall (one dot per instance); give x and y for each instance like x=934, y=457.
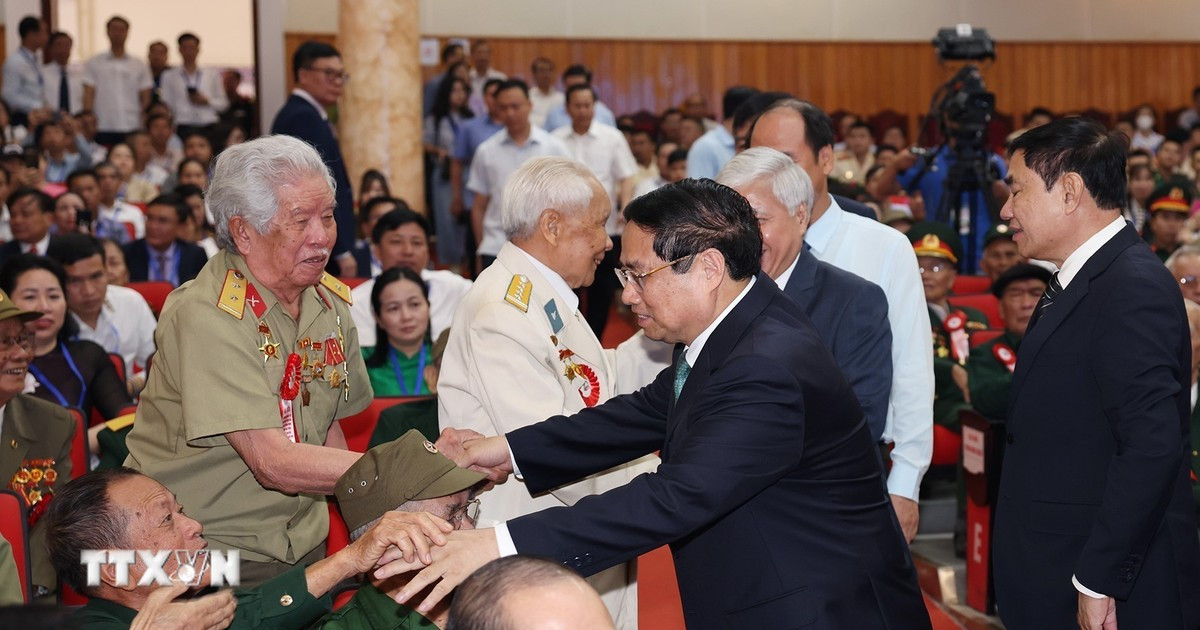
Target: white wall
x=223, y=26
x=849, y=20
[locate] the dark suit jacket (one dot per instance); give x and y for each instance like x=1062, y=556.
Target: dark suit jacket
x=1095, y=480
x=852, y=206
x=770, y=491
x=13, y=248
x=137, y=258
x=35, y=429
x=850, y=315
x=298, y=118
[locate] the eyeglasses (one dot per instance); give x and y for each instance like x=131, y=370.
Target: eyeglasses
x=639, y=279
x=470, y=511
x=1186, y=280
x=333, y=75
x=23, y=341
x=934, y=269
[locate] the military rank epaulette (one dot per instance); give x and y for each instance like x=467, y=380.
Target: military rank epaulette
x=120, y=422
x=518, y=292
x=233, y=294
x=338, y=288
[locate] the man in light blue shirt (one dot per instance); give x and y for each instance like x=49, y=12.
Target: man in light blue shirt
x=577, y=74
x=716, y=147
x=22, y=72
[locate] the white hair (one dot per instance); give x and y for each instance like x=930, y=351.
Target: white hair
x=789, y=183
x=247, y=177
x=1185, y=251
x=543, y=183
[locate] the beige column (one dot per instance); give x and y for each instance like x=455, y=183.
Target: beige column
x=380, y=112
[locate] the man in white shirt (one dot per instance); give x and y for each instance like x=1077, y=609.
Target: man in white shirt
x=606, y=153
x=195, y=95
x=56, y=76
x=401, y=238
x=577, y=74
x=543, y=95
x=22, y=89
x=481, y=71
x=116, y=219
x=497, y=158
x=118, y=318
x=884, y=256
x=708, y=155
x=116, y=86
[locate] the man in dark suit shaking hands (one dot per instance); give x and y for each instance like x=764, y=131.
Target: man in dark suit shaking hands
x=770, y=490
x=320, y=75
x=1094, y=524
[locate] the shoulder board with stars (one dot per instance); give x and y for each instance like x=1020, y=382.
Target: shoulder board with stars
x=518, y=292
x=337, y=287
x=233, y=294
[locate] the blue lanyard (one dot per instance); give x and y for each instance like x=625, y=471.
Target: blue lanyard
x=32, y=59
x=62, y=400
x=419, y=381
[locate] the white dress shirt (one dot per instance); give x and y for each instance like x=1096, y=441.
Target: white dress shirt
x=542, y=103
x=23, y=81
x=497, y=158
x=118, y=82
x=207, y=81
x=884, y=256
x=606, y=153
x=52, y=82
x=125, y=327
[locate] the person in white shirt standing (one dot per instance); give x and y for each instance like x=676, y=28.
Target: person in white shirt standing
x=118, y=318
x=116, y=86
x=62, y=86
x=606, y=153
x=22, y=89
x=195, y=95
x=543, y=94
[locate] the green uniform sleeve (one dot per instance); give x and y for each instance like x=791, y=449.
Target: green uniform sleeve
x=281, y=602
x=989, y=383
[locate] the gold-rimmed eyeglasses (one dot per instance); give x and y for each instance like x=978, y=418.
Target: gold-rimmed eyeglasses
x=470, y=511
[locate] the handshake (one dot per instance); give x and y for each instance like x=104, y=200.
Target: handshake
x=472, y=450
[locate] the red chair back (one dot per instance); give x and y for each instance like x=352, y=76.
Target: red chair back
x=359, y=427
x=968, y=285
x=339, y=535
x=15, y=530
x=980, y=337
x=155, y=292
x=80, y=458
x=985, y=302
x=352, y=282
x=119, y=363
x=946, y=446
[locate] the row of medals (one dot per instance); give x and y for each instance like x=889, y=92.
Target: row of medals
x=311, y=367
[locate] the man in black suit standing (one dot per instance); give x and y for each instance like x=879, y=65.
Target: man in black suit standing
x=319, y=74
x=1094, y=524
x=849, y=313
x=770, y=491
x=162, y=255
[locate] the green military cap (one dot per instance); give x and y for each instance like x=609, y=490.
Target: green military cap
x=8, y=310
x=997, y=231
x=409, y=468
x=1173, y=196
x=937, y=239
x=1020, y=271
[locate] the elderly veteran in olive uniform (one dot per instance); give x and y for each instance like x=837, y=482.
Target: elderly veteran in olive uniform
x=520, y=351
x=990, y=365
x=938, y=251
x=257, y=357
x=405, y=475
x=35, y=438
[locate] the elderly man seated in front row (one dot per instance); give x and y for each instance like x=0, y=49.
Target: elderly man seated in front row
x=124, y=509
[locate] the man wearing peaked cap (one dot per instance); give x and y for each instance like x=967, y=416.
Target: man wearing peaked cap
x=1168, y=205
x=938, y=251
x=405, y=475
x=999, y=251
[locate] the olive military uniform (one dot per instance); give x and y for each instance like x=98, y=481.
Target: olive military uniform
x=947, y=397
x=223, y=344
x=372, y=608
x=990, y=377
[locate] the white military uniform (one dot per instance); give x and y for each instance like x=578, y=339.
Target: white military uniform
x=520, y=352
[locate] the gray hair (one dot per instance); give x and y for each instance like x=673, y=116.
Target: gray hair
x=540, y=183
x=247, y=177
x=789, y=183
x=1184, y=251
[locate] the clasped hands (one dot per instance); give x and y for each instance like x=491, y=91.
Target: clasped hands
x=450, y=560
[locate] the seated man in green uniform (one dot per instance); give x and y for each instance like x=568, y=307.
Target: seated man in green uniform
x=1168, y=205
x=120, y=508
x=257, y=359
x=990, y=365
x=938, y=251
x=405, y=475
x=999, y=252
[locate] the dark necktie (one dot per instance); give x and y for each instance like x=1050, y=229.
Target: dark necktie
x=681, y=374
x=164, y=273
x=1052, y=291
x=64, y=94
